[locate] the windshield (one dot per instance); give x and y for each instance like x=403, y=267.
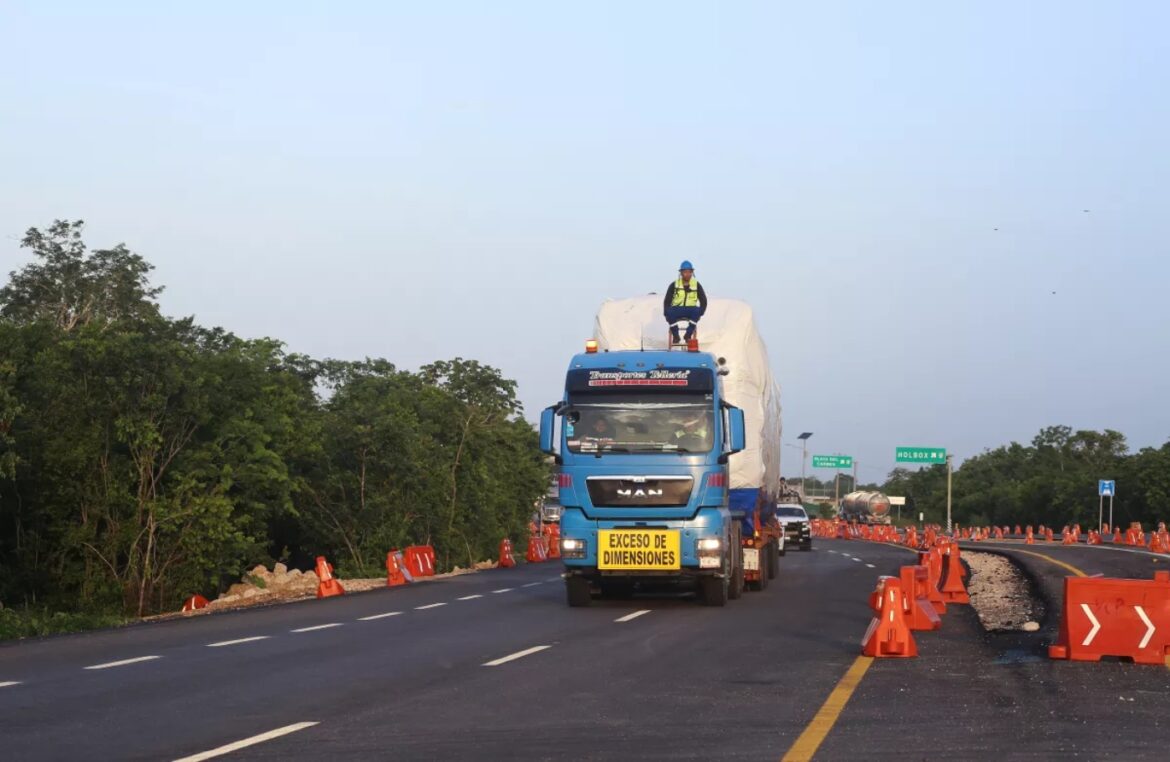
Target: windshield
x=640, y=423
x=788, y=510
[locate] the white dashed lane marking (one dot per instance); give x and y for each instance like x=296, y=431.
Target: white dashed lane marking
x=871, y=566
x=634, y=615
x=372, y=617
x=245, y=743
x=429, y=606
x=515, y=656
x=532, y=584
x=237, y=641
x=123, y=662
x=317, y=627
x=504, y=590
x=9, y=683
x=469, y=597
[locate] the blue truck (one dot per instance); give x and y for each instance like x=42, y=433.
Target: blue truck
x=643, y=441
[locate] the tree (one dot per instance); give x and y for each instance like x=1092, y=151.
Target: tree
x=71, y=287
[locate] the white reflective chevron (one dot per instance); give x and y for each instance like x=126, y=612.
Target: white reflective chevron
x=1096, y=625
x=1150, y=628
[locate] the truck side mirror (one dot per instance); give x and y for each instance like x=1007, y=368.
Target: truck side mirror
x=547, y=429
x=736, y=430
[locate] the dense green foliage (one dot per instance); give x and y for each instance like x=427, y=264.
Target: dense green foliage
x=144, y=459
x=1053, y=482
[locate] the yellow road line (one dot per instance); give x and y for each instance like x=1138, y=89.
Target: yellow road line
x=1061, y=564
x=810, y=740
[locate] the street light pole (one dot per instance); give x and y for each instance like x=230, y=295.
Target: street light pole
x=948, y=492
x=803, y=460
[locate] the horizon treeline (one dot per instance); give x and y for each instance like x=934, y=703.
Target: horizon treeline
x=144, y=459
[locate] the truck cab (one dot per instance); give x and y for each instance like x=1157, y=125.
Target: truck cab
x=641, y=441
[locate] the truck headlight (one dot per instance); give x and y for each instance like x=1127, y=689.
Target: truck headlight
x=572, y=548
x=709, y=545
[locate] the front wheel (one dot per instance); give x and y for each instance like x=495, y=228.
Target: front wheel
x=577, y=591
x=735, y=590
x=713, y=591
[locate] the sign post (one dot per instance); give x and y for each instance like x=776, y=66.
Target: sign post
x=928, y=455
x=832, y=461
x=1105, y=487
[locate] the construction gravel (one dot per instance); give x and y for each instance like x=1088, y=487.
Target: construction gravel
x=1001, y=595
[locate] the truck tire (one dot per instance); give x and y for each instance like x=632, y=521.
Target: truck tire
x=774, y=561
x=577, y=591
x=765, y=566
x=713, y=591
x=735, y=589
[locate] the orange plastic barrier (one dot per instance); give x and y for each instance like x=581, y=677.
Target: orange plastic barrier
x=194, y=603
x=395, y=574
x=953, y=590
x=920, y=613
x=537, y=551
x=420, y=560
x=888, y=633
x=1118, y=537
x=552, y=540
x=507, y=560
x=932, y=561
x=328, y=585
x=1159, y=542
x=1127, y=618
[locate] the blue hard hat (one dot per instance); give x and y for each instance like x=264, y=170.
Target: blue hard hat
x=686, y=265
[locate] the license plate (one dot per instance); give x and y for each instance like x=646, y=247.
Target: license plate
x=751, y=559
x=638, y=549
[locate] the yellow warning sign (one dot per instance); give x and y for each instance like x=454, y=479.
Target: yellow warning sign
x=638, y=549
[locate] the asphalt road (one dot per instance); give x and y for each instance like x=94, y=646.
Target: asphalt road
x=653, y=677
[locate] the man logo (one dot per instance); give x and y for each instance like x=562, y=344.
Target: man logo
x=640, y=492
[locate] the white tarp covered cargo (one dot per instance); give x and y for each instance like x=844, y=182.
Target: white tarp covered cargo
x=727, y=330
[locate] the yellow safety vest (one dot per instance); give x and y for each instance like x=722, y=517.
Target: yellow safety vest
x=683, y=296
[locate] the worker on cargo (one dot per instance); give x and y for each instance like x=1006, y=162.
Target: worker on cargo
x=685, y=300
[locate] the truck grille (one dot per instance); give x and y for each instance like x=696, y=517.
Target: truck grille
x=639, y=491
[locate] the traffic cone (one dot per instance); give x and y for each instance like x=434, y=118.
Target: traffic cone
x=1118, y=537
x=953, y=590
x=328, y=586
x=394, y=573
x=194, y=603
x=888, y=634
x=507, y=560
x=1018, y=531
x=1029, y=538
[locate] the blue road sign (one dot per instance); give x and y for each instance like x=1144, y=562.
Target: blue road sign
x=1106, y=487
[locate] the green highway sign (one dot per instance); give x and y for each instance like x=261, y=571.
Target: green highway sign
x=920, y=455
x=832, y=461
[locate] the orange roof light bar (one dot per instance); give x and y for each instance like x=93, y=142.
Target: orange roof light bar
x=591, y=347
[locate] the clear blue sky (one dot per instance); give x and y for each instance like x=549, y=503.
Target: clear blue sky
x=425, y=180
